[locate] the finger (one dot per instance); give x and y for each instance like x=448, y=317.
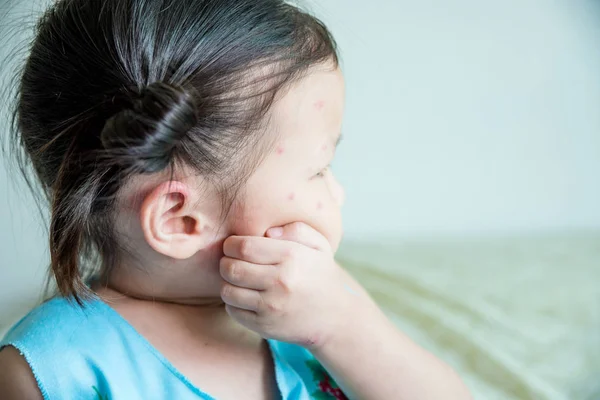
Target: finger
x=247, y=275
x=255, y=249
x=239, y=297
x=247, y=318
x=302, y=233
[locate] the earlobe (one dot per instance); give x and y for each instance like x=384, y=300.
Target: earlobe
x=171, y=223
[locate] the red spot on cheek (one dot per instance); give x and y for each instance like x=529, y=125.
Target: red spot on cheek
x=324, y=147
x=319, y=206
x=291, y=196
x=280, y=150
x=319, y=105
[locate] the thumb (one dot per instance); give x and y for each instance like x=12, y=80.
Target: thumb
x=302, y=233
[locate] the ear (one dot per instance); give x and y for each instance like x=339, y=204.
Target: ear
x=171, y=223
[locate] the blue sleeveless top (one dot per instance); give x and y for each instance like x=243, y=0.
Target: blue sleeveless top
x=93, y=353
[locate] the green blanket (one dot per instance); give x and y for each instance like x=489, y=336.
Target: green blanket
x=518, y=318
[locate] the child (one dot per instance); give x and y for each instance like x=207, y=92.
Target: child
x=184, y=147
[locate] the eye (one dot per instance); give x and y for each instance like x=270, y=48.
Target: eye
x=321, y=173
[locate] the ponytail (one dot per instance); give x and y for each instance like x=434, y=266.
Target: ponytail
x=72, y=202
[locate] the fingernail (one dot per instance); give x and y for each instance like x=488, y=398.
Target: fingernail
x=275, y=232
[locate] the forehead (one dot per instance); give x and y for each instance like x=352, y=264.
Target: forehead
x=312, y=107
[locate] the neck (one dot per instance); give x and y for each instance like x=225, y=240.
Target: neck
x=114, y=290
x=193, y=282
x=202, y=319
x=143, y=298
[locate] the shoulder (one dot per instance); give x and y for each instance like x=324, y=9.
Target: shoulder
x=16, y=379
x=55, y=340
x=61, y=329
x=53, y=321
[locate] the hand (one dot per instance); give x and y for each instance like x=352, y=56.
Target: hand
x=287, y=286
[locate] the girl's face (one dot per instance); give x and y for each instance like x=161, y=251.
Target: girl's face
x=295, y=183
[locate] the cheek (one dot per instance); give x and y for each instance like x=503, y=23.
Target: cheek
x=262, y=210
x=305, y=203
x=252, y=214
x=244, y=220
x=319, y=210
x=312, y=205
x=338, y=194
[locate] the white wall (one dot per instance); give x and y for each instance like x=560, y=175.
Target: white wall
x=469, y=116
x=462, y=116
x=23, y=245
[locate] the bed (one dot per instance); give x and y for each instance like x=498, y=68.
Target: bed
x=518, y=317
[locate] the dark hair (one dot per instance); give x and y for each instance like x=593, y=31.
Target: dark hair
x=116, y=88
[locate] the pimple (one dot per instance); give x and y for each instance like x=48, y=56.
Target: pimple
x=319, y=105
x=324, y=147
x=280, y=150
x=291, y=196
x=319, y=206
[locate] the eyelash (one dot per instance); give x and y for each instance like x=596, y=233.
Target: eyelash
x=321, y=173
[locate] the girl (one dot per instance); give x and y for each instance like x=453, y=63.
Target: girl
x=184, y=145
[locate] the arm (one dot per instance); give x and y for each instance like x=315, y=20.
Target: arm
x=371, y=359
x=291, y=289
x=16, y=379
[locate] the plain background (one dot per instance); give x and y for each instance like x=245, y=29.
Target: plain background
x=463, y=117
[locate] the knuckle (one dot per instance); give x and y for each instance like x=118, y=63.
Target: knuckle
x=262, y=303
x=273, y=307
x=296, y=229
x=283, y=282
x=223, y=265
x=291, y=253
x=246, y=248
x=284, y=285
x=236, y=272
x=226, y=290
